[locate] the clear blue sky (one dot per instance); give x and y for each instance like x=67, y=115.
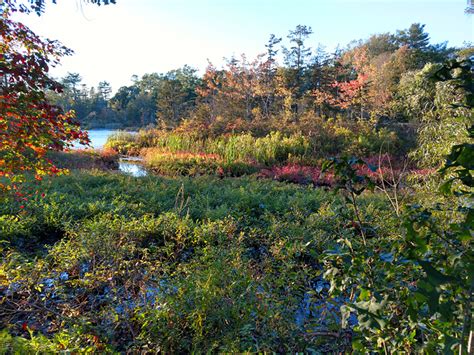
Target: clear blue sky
x=142, y=36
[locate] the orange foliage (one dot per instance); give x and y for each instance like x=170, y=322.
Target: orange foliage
x=29, y=124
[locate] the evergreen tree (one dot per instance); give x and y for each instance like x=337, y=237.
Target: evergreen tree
x=271, y=51
x=298, y=53
x=414, y=37
x=382, y=43
x=296, y=58
x=71, y=81
x=104, y=90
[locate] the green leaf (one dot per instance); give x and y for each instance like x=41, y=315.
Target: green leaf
x=435, y=277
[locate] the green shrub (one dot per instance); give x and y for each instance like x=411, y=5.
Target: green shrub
x=124, y=143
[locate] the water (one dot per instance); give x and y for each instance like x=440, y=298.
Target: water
x=98, y=138
x=127, y=165
x=132, y=166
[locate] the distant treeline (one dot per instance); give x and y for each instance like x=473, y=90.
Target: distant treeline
x=383, y=77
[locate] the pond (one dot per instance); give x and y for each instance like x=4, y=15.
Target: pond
x=127, y=165
x=98, y=138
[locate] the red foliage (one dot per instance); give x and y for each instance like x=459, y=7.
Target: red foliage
x=298, y=174
x=108, y=153
x=351, y=92
x=380, y=168
x=29, y=124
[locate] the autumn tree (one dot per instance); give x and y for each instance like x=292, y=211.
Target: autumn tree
x=353, y=93
x=372, y=70
x=212, y=103
x=241, y=81
x=382, y=71
x=29, y=124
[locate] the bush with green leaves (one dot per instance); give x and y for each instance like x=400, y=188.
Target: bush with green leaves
x=125, y=143
x=412, y=289
x=434, y=106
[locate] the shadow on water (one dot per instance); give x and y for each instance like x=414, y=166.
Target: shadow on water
x=35, y=243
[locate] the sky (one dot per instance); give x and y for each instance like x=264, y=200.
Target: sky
x=135, y=37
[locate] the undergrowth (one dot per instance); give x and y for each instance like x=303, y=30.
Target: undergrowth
x=172, y=264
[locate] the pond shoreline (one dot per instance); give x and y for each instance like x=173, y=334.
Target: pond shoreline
x=126, y=164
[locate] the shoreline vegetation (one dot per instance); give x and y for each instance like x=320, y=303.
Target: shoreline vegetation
x=294, y=158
